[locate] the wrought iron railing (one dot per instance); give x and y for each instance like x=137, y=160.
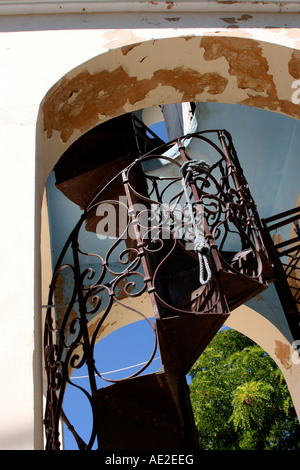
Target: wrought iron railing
x=160, y=208
x=282, y=237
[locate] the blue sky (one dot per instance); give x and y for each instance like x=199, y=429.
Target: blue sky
x=117, y=356
x=160, y=129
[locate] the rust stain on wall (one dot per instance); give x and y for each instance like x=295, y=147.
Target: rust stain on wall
x=77, y=102
x=62, y=286
x=282, y=352
x=233, y=22
x=104, y=92
x=294, y=64
x=170, y=5
x=190, y=83
x=245, y=17
x=247, y=62
x=229, y=20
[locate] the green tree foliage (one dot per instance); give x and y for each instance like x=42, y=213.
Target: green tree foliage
x=240, y=398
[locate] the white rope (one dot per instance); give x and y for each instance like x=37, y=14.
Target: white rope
x=191, y=169
x=117, y=370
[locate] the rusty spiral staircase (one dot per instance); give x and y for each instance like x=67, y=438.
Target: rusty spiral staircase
x=166, y=204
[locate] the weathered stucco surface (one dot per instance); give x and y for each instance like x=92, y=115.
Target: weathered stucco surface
x=77, y=103
x=294, y=64
x=283, y=353
x=209, y=68
x=249, y=63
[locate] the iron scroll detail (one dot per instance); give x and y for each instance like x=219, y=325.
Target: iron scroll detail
x=151, y=259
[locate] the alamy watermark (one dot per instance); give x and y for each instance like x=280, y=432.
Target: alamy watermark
x=151, y=222
x=296, y=93
x=296, y=353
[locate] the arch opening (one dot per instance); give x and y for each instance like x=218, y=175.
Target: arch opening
x=60, y=138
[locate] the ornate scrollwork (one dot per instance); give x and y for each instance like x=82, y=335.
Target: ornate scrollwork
x=153, y=245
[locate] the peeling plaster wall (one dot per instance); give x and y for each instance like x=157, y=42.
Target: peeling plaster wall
x=221, y=68
x=97, y=66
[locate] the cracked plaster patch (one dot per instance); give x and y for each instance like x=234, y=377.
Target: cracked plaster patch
x=233, y=69
x=247, y=62
x=119, y=89
x=294, y=64
x=283, y=353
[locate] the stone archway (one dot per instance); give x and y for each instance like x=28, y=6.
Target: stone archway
x=218, y=68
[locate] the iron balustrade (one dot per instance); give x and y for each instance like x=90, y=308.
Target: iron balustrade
x=152, y=253
x=285, y=255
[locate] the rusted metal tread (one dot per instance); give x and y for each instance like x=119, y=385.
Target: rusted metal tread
x=139, y=414
x=183, y=338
